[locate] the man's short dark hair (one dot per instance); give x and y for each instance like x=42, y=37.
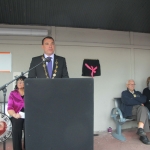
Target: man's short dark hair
x=48, y=37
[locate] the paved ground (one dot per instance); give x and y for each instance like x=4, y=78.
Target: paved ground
x=105, y=141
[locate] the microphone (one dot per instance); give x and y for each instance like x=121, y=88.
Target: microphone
x=48, y=59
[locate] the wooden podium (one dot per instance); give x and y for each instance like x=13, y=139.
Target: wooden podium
x=59, y=114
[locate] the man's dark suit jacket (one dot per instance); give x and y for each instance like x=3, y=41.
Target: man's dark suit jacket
x=59, y=68
x=128, y=101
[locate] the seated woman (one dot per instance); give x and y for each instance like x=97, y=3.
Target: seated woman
x=15, y=106
x=146, y=92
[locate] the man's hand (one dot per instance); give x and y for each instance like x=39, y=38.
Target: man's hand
x=142, y=104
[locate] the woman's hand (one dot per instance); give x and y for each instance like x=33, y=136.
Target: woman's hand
x=16, y=115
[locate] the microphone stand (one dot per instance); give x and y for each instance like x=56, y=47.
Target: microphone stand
x=3, y=88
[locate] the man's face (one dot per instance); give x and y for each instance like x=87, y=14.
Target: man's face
x=48, y=46
x=131, y=85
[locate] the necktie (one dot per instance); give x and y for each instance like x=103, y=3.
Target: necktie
x=49, y=67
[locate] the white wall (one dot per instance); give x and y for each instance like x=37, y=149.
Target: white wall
x=122, y=55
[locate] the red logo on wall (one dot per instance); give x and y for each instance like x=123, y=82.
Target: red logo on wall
x=5, y=127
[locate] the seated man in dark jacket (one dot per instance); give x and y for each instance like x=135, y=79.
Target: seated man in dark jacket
x=132, y=105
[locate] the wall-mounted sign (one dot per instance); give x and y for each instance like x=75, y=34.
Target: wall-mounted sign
x=5, y=62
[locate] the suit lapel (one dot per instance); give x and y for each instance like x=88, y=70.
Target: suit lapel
x=54, y=64
x=45, y=68
x=55, y=67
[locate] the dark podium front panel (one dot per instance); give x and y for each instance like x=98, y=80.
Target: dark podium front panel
x=59, y=114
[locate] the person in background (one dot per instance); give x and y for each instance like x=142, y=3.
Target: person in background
x=146, y=92
x=133, y=106
x=15, y=106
